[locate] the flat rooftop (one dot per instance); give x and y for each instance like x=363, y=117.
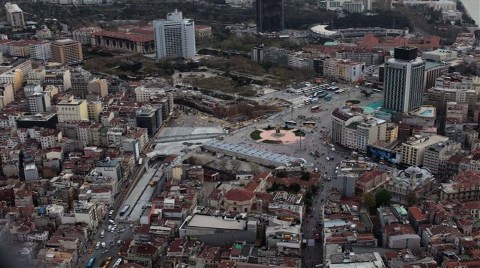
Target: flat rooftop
x=363, y=260
x=205, y=221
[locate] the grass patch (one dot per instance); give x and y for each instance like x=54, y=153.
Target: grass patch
x=255, y=135
x=299, y=133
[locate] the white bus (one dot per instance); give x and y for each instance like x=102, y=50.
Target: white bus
x=340, y=91
x=290, y=123
x=117, y=263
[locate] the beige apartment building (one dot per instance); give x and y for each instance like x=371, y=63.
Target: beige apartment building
x=72, y=110
x=413, y=150
x=66, y=51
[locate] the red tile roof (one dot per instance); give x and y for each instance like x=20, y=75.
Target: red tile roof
x=463, y=264
x=134, y=37
x=417, y=214
x=369, y=175
x=398, y=229
x=239, y=195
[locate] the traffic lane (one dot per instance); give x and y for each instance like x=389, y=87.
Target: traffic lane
x=109, y=236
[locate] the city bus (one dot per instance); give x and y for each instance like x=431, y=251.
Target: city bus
x=309, y=124
x=290, y=123
x=124, y=210
x=117, y=263
x=90, y=262
x=315, y=108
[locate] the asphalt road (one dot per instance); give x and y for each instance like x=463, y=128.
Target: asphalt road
x=113, y=249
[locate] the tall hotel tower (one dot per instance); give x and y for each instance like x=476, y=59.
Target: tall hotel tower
x=404, y=79
x=174, y=37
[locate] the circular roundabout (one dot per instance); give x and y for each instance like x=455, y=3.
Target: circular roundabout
x=277, y=135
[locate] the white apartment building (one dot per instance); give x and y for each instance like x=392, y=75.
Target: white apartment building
x=343, y=69
x=83, y=35
x=349, y=5
x=174, y=37
x=39, y=102
x=352, y=129
x=6, y=95
x=41, y=51
x=436, y=155
x=143, y=94
x=86, y=212
x=36, y=77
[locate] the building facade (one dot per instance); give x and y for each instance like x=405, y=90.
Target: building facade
x=67, y=51
x=72, y=110
x=403, y=80
x=15, y=16
x=174, y=37
x=413, y=150
x=270, y=15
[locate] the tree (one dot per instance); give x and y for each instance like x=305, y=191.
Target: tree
x=382, y=197
x=369, y=201
x=305, y=176
x=294, y=188
x=411, y=198
x=280, y=173
x=267, y=65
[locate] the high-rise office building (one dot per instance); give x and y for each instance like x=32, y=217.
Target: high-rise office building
x=15, y=16
x=270, y=14
x=404, y=78
x=174, y=37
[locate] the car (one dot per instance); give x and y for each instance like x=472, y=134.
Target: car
x=105, y=251
x=315, y=170
x=90, y=251
x=98, y=245
x=327, y=158
x=102, y=234
x=119, y=242
x=104, y=245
